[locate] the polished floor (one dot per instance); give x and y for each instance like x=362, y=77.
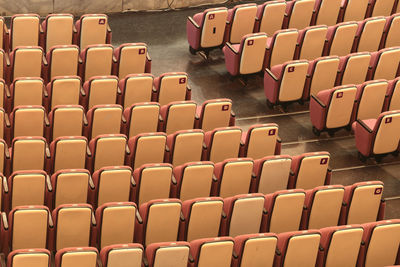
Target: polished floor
x=165, y=34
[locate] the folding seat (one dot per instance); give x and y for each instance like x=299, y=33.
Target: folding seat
x=112, y=184
x=341, y=38
x=26, y=91
x=58, y=30
x=100, y=90
x=102, y=146
x=201, y=218
x=4, y=63
x=240, y=21
x=115, y=223
x=72, y=226
x=326, y=12
x=299, y=248
x=68, y=152
x=246, y=57
x=171, y=86
x=4, y=157
x=354, y=10
x=76, y=257
x=340, y=245
x=242, y=214
x=104, y=119
x=61, y=60
x=392, y=101
x=215, y=113
x=299, y=14
x=119, y=255
x=70, y=186
x=285, y=82
x=96, y=61
x=310, y=170
x=63, y=90
x=353, y=68
x=136, y=88
x=177, y=116
x=255, y=250
x=193, y=180
x=141, y=118
x=391, y=37
x=4, y=125
x=66, y=120
x=24, y=257
x=233, y=177
x=146, y=148
x=29, y=153
x=270, y=16
x=168, y=254
x=222, y=143
x=27, y=228
x=385, y=64
x=184, y=146
x=363, y=203
x=93, y=29
x=153, y=181
x=158, y=221
x=370, y=99
x=281, y=47
x=311, y=42
x=284, y=209
x=261, y=140
x=369, y=33
x=4, y=92
x=381, y=244
x=206, y=29
x=323, y=205
x=382, y=8
x=4, y=35
x=26, y=61
x=24, y=30
x=212, y=252
x=131, y=58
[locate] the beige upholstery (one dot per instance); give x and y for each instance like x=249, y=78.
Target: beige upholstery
x=328, y=12
x=216, y=254
x=65, y=91
x=188, y=148
x=132, y=60
x=272, y=17
x=243, y=22
x=2, y=126
x=71, y=188
x=274, y=175
x=79, y=259
x=64, y=61
x=98, y=61
x=102, y=91
x=122, y=256
x=114, y=185
x=138, y=89
x=3, y=148
x=59, y=30
x=67, y=121
x=27, y=62
x=144, y=119
x=342, y=42
x=172, y=88
x=369, y=39
x=372, y=99
x=313, y=42
x=29, y=121
x=324, y=75
x=355, y=10
x=236, y=178
x=2, y=58
x=93, y=30
x=356, y=69
x=395, y=101
x=155, y=183
x=196, y=181
x=70, y=154
x=3, y=29
x=302, y=250
x=284, y=47
x=252, y=58
x=34, y=258
x=225, y=144
x=312, y=172
x=180, y=117
x=28, y=92
x=262, y=142
x=388, y=135
x=209, y=38
x=28, y=154
x=393, y=38
x=383, y=8
x=259, y=251
x=106, y=120
x=341, y=107
x=215, y=115
x=28, y=189
x=149, y=149
x=173, y=256
x=388, y=64
x=246, y=216
x=110, y=146
x=301, y=14
x=25, y=31
x=293, y=80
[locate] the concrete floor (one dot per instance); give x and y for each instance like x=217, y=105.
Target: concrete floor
x=165, y=34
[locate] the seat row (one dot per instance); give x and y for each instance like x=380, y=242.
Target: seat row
x=297, y=80
x=353, y=245
x=216, y=26
x=55, y=29
x=67, y=60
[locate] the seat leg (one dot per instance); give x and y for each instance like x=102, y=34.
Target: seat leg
x=378, y=158
x=269, y=104
x=192, y=50
x=361, y=157
x=203, y=54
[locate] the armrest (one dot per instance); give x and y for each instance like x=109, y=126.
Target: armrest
x=167, y=149
x=41, y=28
x=364, y=126
x=7, y=120
x=138, y=217
x=74, y=30
x=48, y=183
x=7, y=89
x=46, y=121
x=51, y=224
x=114, y=59
x=278, y=139
x=229, y=45
x=127, y=150
x=47, y=150
x=108, y=28
x=234, y=255
x=191, y=260
x=160, y=118
x=85, y=121
x=119, y=90
x=188, y=88
x=154, y=89
x=5, y=222
x=5, y=185
x=148, y=57
x=318, y=101
x=83, y=93
x=204, y=146
x=193, y=22
x=233, y=114
x=133, y=183
x=269, y=72
x=88, y=152
x=7, y=152
x=45, y=94
x=181, y=217
x=91, y=183
x=8, y=60
x=123, y=118
x=45, y=60
x=145, y=261
x=173, y=179
x=93, y=219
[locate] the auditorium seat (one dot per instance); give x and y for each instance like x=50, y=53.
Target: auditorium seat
x=136, y=88
x=171, y=86
x=201, y=218
x=119, y=255
x=299, y=14
x=66, y=120
x=24, y=31
x=270, y=17
x=239, y=22
x=222, y=143
x=26, y=61
x=4, y=35
x=382, y=7
x=311, y=42
x=58, y=30
x=281, y=47
x=100, y=90
x=392, y=101
x=26, y=91
x=96, y=60
x=326, y=12
x=4, y=158
x=115, y=224
x=246, y=57
x=4, y=92
x=76, y=257
x=103, y=119
x=211, y=252
x=385, y=64
x=28, y=153
x=391, y=37
x=177, y=116
x=93, y=29
x=68, y=152
x=341, y=38
x=184, y=146
x=141, y=118
x=61, y=60
x=168, y=254
x=4, y=125
x=353, y=68
x=64, y=90
x=6, y=65
x=368, y=34
x=355, y=10
x=131, y=58
x=243, y=214
x=215, y=113
x=24, y=257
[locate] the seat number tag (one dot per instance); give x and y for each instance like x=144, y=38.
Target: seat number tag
x=272, y=132
x=211, y=16
x=378, y=191
x=291, y=69
x=102, y=21
x=225, y=107
x=388, y=120
x=339, y=95
x=182, y=80
x=141, y=51
x=250, y=42
x=323, y=161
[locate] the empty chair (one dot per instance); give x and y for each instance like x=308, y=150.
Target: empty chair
x=68, y=152
x=326, y=12
x=93, y=29
x=255, y=250
x=115, y=223
x=204, y=251
x=171, y=86
x=23, y=257
x=206, y=30
x=222, y=143
x=382, y=8
x=323, y=205
x=285, y=82
x=368, y=34
x=341, y=38
x=26, y=91
x=184, y=146
x=76, y=256
x=261, y=140
x=353, y=68
x=243, y=214
x=270, y=16
x=4, y=35
x=26, y=61
x=29, y=153
x=118, y=255
x=385, y=64
x=178, y=115
x=281, y=47
x=102, y=146
x=62, y=60
x=100, y=91
x=3, y=67
x=248, y=57
x=66, y=120
x=299, y=14
x=363, y=203
x=391, y=37
x=285, y=209
x=311, y=42
x=153, y=181
x=64, y=90
x=215, y=113
x=58, y=30
x=146, y=148
x=136, y=88
x=158, y=221
x=310, y=170
x=104, y=119
x=240, y=21
x=193, y=180
x=131, y=58
x=24, y=30
x=3, y=90
x=202, y=217
x=4, y=125
x=96, y=61
x=168, y=254
x=141, y=118
x=355, y=10
x=392, y=96
x=4, y=159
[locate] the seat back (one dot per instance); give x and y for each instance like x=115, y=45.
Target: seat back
x=105, y=119
x=27, y=62
x=256, y=249
x=27, y=188
x=2, y=59
x=274, y=174
x=101, y=90
x=98, y=61
x=59, y=30
x=63, y=61
x=225, y=144
x=388, y=64
x=341, y=106
x=261, y=141
x=341, y=41
x=142, y=118
x=93, y=30
x=213, y=252
x=168, y=254
x=68, y=153
x=383, y=8
x=328, y=12
x=293, y=81
x=64, y=91
x=355, y=10
x=70, y=186
x=24, y=30
x=283, y=46
x=215, y=113
x=394, y=102
x=132, y=59
x=187, y=147
x=76, y=257
x=106, y=145
x=235, y=177
x=372, y=97
x=272, y=16
x=312, y=170
x=356, y=68
x=28, y=153
x=172, y=87
x=196, y=180
x=388, y=135
x=180, y=116
x=24, y=257
x=149, y=149
x=301, y=14
x=27, y=91
x=313, y=42
x=3, y=152
x=324, y=74
x=118, y=255
x=392, y=38
x=369, y=39
x=66, y=121
x=212, y=32
x=28, y=121
x=242, y=22
x=137, y=88
x=253, y=52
